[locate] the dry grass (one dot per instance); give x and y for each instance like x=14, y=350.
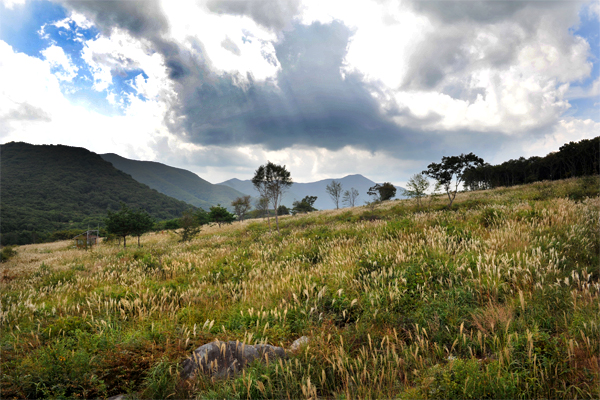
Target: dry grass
x=503, y=290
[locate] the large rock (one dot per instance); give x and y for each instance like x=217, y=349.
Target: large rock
x=223, y=359
x=299, y=343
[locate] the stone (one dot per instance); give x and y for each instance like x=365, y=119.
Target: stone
x=298, y=343
x=118, y=397
x=223, y=359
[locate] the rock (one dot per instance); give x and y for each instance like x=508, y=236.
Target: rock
x=118, y=397
x=298, y=343
x=224, y=359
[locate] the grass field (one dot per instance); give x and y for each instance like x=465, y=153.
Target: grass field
x=497, y=298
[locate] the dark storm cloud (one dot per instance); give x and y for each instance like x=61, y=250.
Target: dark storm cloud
x=310, y=104
x=273, y=14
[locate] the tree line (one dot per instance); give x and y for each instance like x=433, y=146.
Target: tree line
x=571, y=160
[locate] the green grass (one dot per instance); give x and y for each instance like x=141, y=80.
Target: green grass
x=496, y=298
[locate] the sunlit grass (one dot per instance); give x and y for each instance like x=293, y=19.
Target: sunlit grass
x=495, y=298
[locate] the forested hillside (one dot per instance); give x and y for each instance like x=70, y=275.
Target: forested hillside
x=572, y=159
x=47, y=188
x=175, y=182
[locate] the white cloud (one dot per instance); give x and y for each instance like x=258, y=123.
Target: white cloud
x=512, y=76
x=578, y=92
x=192, y=24
x=10, y=4
x=120, y=53
x=594, y=8
x=567, y=130
x=31, y=88
x=64, y=68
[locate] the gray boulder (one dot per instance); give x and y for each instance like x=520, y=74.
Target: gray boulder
x=224, y=359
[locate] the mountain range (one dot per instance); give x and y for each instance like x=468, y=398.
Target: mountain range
x=324, y=202
x=189, y=187
x=175, y=182
x=47, y=188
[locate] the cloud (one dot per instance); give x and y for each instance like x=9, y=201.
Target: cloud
x=61, y=63
x=26, y=112
x=273, y=14
x=226, y=85
x=10, y=4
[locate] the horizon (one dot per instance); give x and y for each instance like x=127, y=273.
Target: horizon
x=379, y=89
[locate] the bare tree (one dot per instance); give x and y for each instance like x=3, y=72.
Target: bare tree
x=272, y=181
x=262, y=205
x=350, y=197
x=241, y=206
x=334, y=189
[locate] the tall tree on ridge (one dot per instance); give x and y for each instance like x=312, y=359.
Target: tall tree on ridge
x=272, y=181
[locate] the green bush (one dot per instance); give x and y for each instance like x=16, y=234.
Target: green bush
x=7, y=253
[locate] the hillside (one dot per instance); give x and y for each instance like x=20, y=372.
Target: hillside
x=175, y=182
x=47, y=188
x=497, y=298
x=299, y=190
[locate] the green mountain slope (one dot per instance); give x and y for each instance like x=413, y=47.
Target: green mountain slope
x=175, y=182
x=47, y=188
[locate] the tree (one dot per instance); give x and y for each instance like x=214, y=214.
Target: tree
x=120, y=223
x=283, y=210
x=262, y=206
x=416, y=187
x=383, y=192
x=190, y=226
x=241, y=206
x=272, y=181
x=143, y=223
x=334, y=189
x=305, y=205
x=127, y=222
x=220, y=215
x=451, y=170
x=350, y=197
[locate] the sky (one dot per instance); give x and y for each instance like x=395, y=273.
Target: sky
x=327, y=88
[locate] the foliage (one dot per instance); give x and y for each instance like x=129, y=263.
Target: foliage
x=262, y=206
x=219, y=215
x=7, y=253
x=382, y=192
x=143, y=223
x=496, y=298
x=272, y=181
x=283, y=210
x=50, y=188
x=416, y=187
x=241, y=206
x=334, y=190
x=350, y=197
x=572, y=159
x=167, y=224
x=191, y=224
x=127, y=222
x=305, y=205
x=451, y=171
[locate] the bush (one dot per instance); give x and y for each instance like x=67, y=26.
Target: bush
x=7, y=253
